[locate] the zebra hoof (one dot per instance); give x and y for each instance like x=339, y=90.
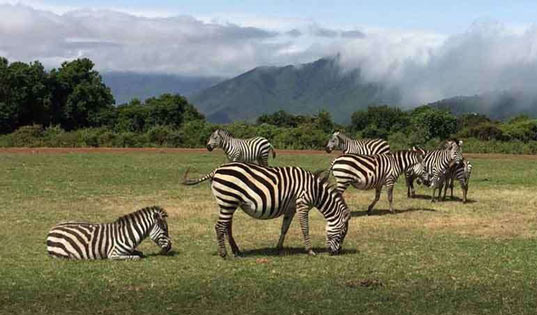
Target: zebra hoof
x=311, y=252
x=237, y=255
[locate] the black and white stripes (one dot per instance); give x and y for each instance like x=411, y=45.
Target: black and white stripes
x=460, y=172
x=269, y=192
x=254, y=150
x=116, y=240
x=338, y=141
x=373, y=171
x=437, y=164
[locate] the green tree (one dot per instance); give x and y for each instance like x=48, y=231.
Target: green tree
x=79, y=97
x=429, y=123
x=379, y=121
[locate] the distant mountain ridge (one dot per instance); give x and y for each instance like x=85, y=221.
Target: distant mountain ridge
x=128, y=85
x=496, y=105
x=303, y=89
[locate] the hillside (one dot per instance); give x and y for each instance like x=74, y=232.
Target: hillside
x=496, y=105
x=303, y=89
x=128, y=85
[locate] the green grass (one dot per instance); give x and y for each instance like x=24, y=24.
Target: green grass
x=428, y=258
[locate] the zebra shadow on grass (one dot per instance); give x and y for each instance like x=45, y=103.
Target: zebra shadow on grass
x=379, y=212
x=448, y=199
x=288, y=251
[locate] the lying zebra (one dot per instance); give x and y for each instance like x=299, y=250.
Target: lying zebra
x=366, y=172
x=116, y=240
x=255, y=150
x=340, y=141
x=269, y=192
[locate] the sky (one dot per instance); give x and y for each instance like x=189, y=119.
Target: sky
x=429, y=49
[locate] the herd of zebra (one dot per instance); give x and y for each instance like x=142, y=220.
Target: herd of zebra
x=264, y=192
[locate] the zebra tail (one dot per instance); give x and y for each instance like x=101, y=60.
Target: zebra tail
x=273, y=152
x=188, y=182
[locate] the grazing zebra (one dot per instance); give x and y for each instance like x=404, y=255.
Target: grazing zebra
x=366, y=172
x=436, y=163
x=269, y=192
x=461, y=172
x=116, y=240
x=340, y=141
x=241, y=150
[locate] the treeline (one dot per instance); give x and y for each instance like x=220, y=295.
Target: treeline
x=71, y=107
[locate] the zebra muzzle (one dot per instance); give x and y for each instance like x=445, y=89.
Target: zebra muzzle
x=209, y=147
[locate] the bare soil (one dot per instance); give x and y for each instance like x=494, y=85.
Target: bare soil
x=203, y=150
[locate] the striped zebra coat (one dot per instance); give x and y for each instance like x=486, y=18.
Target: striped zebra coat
x=270, y=192
x=339, y=141
x=437, y=164
x=116, y=240
x=254, y=150
x=366, y=172
x=460, y=172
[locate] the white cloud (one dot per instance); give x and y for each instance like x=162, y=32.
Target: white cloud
x=426, y=66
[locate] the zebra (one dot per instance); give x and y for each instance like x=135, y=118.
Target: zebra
x=461, y=172
x=241, y=150
x=269, y=192
x=116, y=240
x=366, y=172
x=436, y=163
x=340, y=141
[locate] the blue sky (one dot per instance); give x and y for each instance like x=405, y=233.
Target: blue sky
x=429, y=49
x=442, y=16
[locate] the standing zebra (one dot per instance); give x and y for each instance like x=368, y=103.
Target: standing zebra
x=436, y=163
x=366, y=172
x=340, y=141
x=269, y=192
x=461, y=172
x=116, y=240
x=241, y=150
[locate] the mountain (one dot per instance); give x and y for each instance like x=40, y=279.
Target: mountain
x=128, y=85
x=496, y=105
x=303, y=89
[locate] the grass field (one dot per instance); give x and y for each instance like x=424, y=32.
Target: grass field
x=447, y=257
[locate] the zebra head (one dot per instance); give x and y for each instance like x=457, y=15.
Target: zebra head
x=335, y=210
x=159, y=232
x=215, y=140
x=335, y=233
x=333, y=143
x=455, y=151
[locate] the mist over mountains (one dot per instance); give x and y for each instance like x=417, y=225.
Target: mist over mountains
x=303, y=89
x=128, y=85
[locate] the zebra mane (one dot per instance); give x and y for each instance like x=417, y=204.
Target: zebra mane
x=342, y=136
x=224, y=132
x=151, y=209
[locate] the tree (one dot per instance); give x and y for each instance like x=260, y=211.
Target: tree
x=429, y=123
x=379, y=121
x=78, y=95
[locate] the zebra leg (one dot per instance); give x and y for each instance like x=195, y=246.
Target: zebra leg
x=231, y=240
x=390, y=197
x=410, y=192
x=137, y=252
x=287, y=219
x=445, y=185
x=303, y=211
x=115, y=255
x=222, y=227
x=377, y=197
x=464, y=187
x=451, y=187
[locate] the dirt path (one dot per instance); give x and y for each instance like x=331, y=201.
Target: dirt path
x=203, y=150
